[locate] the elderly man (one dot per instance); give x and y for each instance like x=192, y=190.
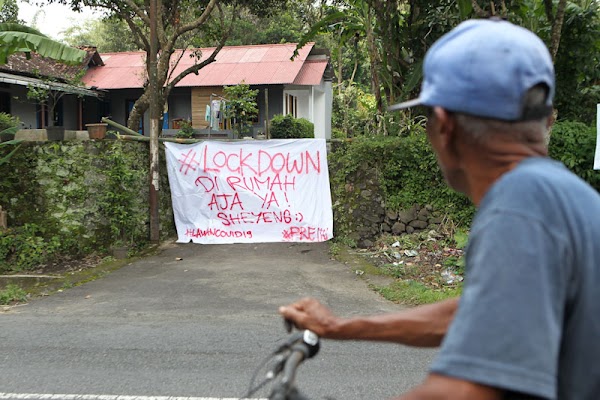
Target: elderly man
x=528, y=323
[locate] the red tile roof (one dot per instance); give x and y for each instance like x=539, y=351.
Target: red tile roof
x=37, y=65
x=255, y=65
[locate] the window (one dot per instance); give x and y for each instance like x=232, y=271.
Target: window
x=5, y=102
x=291, y=105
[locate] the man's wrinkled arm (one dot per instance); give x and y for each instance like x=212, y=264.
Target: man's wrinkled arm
x=423, y=326
x=439, y=387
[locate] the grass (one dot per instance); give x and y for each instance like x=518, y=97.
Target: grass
x=12, y=294
x=414, y=293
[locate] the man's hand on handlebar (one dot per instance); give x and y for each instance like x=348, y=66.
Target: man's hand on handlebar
x=308, y=313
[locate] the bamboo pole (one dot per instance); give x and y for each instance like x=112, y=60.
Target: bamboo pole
x=141, y=138
x=120, y=127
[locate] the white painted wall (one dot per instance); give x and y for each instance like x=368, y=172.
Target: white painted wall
x=314, y=104
x=21, y=107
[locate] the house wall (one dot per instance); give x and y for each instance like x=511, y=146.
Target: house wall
x=314, y=104
x=201, y=96
x=118, y=105
x=93, y=110
x=180, y=106
x=21, y=107
x=322, y=108
x=275, y=94
x=70, y=111
x=304, y=100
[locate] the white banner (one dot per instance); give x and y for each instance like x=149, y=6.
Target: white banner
x=597, y=158
x=250, y=191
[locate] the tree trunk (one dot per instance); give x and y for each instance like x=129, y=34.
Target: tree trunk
x=374, y=58
x=557, y=28
x=137, y=112
x=340, y=64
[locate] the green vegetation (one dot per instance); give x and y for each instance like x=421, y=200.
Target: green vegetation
x=574, y=144
x=406, y=170
x=186, y=131
x=9, y=125
x=71, y=199
x=241, y=107
x=117, y=201
x=288, y=127
x=26, y=247
x=414, y=293
x=12, y=294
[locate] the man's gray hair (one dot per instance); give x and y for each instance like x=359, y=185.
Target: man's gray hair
x=531, y=131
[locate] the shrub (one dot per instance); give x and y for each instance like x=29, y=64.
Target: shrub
x=574, y=144
x=12, y=294
x=406, y=170
x=288, y=127
x=26, y=247
x=185, y=131
x=7, y=121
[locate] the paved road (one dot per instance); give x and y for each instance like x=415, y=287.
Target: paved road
x=196, y=328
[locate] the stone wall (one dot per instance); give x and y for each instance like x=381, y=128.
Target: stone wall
x=360, y=212
x=58, y=185
x=414, y=219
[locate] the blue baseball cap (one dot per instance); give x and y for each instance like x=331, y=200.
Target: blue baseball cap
x=484, y=68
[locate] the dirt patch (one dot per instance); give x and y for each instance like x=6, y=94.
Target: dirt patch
x=432, y=259
x=64, y=266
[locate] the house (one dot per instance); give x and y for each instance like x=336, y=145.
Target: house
x=302, y=87
x=77, y=105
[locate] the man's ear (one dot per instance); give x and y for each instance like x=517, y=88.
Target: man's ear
x=445, y=126
x=551, y=119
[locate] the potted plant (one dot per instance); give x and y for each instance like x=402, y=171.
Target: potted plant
x=97, y=131
x=186, y=131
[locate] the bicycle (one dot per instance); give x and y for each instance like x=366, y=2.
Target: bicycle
x=285, y=361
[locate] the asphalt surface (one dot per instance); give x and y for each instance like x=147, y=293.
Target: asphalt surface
x=197, y=327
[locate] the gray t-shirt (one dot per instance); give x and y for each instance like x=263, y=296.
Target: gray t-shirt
x=529, y=317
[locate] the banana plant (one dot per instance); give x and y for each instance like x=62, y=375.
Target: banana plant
x=9, y=131
x=15, y=38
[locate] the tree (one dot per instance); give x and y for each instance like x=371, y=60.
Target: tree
x=15, y=37
x=9, y=12
x=160, y=27
x=577, y=60
x=9, y=125
x=241, y=106
x=178, y=22
x=106, y=34
x=350, y=24
x=50, y=91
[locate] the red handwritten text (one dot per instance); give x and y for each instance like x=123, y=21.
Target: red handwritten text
x=308, y=233
x=188, y=161
x=266, y=217
x=250, y=184
x=261, y=162
x=225, y=201
x=218, y=233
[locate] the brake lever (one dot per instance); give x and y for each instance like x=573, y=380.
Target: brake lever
x=289, y=325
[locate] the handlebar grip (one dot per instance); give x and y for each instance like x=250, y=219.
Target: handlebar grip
x=285, y=385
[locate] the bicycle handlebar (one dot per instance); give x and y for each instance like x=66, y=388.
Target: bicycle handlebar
x=297, y=349
x=285, y=360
